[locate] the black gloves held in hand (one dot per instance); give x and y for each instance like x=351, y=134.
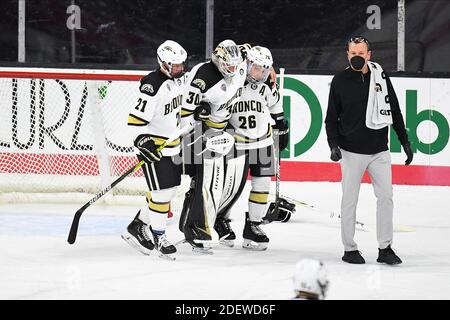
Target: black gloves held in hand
x=409, y=153
x=282, y=130
x=202, y=112
x=336, y=154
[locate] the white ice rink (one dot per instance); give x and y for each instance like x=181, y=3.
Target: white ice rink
x=37, y=263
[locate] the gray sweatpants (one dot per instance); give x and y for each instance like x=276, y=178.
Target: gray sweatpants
x=378, y=166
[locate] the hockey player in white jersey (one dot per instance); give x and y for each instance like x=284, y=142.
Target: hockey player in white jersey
x=211, y=89
x=253, y=117
x=155, y=117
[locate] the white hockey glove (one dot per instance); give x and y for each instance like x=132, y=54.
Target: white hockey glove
x=219, y=142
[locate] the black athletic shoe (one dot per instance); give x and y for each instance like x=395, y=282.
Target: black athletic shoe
x=223, y=228
x=138, y=235
x=388, y=256
x=354, y=257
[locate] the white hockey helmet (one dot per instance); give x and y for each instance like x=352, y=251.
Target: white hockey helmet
x=172, y=58
x=259, y=62
x=227, y=57
x=310, y=278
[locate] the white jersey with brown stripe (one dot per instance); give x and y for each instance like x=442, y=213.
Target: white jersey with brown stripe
x=250, y=116
x=206, y=84
x=157, y=110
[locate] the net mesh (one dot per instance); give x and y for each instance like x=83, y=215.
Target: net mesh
x=66, y=137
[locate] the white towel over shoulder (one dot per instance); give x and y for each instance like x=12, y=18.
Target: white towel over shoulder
x=378, y=114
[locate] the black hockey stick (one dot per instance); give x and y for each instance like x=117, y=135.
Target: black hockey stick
x=277, y=185
x=76, y=219
x=275, y=213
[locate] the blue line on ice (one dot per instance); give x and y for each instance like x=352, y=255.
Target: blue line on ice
x=54, y=225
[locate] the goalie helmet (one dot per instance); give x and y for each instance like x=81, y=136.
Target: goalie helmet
x=227, y=57
x=172, y=58
x=310, y=278
x=259, y=62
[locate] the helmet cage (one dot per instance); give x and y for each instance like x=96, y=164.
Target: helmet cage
x=227, y=58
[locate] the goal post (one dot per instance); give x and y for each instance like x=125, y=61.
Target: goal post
x=63, y=133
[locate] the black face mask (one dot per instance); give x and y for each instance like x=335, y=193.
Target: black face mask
x=357, y=62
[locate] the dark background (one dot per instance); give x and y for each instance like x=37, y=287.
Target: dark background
x=304, y=36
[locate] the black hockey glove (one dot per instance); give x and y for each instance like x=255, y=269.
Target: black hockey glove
x=409, y=153
x=281, y=129
x=147, y=148
x=202, y=112
x=336, y=154
x=282, y=212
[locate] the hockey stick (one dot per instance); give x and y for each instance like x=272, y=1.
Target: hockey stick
x=76, y=219
x=277, y=185
x=397, y=228
x=310, y=206
x=272, y=216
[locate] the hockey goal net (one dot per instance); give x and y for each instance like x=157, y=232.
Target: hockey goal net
x=64, y=134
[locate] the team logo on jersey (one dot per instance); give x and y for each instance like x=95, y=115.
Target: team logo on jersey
x=241, y=71
x=147, y=88
x=179, y=82
x=200, y=84
x=223, y=87
x=254, y=86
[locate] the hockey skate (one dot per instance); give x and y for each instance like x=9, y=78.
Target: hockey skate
x=226, y=234
x=254, y=237
x=138, y=236
x=196, y=237
x=164, y=247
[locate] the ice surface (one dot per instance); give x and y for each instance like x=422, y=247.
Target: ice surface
x=37, y=263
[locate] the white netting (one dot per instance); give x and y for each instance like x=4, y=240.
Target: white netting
x=65, y=136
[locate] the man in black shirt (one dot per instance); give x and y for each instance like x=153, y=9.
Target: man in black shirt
x=362, y=143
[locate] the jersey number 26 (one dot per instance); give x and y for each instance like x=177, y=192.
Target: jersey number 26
x=247, y=123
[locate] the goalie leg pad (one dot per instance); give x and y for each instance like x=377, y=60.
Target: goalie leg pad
x=186, y=206
x=236, y=171
x=203, y=203
x=212, y=187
